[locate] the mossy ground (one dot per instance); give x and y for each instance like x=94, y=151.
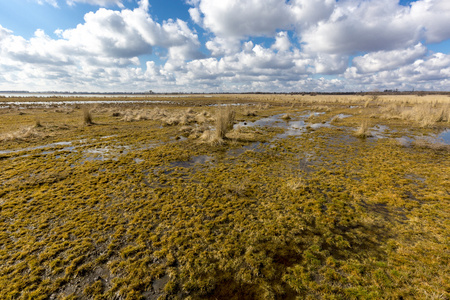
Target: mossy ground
x=126, y=211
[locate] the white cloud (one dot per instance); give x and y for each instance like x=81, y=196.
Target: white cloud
x=194, y=12
x=103, y=3
x=129, y=33
x=223, y=46
x=241, y=18
x=307, y=13
x=108, y=33
x=282, y=42
x=329, y=64
x=244, y=18
x=377, y=25
x=4, y=32
x=433, y=15
x=387, y=60
x=362, y=26
x=429, y=73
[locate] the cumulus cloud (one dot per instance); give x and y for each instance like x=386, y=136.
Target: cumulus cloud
x=282, y=42
x=428, y=73
x=195, y=14
x=362, y=26
x=243, y=18
x=368, y=26
x=240, y=18
x=307, y=13
x=387, y=60
x=432, y=15
x=223, y=46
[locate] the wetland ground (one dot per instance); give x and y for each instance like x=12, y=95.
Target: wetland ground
x=305, y=197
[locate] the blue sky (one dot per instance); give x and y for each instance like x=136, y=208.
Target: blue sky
x=227, y=45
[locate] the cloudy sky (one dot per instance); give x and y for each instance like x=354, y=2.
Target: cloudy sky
x=224, y=45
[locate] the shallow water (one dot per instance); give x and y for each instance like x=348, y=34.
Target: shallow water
x=342, y=116
x=252, y=147
x=444, y=136
x=293, y=127
x=378, y=131
x=38, y=147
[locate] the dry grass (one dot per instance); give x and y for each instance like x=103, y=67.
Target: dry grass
x=22, y=134
x=210, y=137
x=425, y=114
x=224, y=121
x=363, y=130
x=167, y=117
x=87, y=116
x=248, y=112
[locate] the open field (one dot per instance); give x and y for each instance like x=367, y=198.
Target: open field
x=226, y=197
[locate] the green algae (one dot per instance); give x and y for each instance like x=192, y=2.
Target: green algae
x=317, y=215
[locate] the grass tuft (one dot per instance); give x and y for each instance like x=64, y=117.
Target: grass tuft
x=37, y=123
x=87, y=117
x=363, y=131
x=224, y=121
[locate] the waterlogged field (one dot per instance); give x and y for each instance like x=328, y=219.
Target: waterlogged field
x=271, y=197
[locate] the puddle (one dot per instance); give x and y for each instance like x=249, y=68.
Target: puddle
x=293, y=126
x=252, y=147
x=342, y=116
x=444, y=136
x=319, y=125
x=52, y=145
x=434, y=141
x=378, y=131
x=268, y=121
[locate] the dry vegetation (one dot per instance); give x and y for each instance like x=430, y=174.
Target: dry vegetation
x=171, y=201
x=363, y=130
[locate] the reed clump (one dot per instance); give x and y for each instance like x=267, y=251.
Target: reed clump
x=87, y=117
x=363, y=130
x=225, y=117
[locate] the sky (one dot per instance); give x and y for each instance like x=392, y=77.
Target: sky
x=224, y=45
